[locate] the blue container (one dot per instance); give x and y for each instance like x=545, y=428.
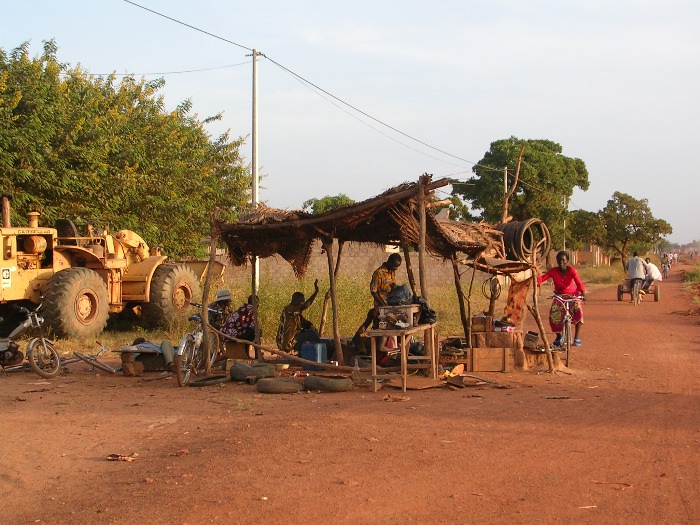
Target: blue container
x=314, y=352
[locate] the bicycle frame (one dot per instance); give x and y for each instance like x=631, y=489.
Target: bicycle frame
x=567, y=336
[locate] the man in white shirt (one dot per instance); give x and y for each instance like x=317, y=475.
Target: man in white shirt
x=653, y=274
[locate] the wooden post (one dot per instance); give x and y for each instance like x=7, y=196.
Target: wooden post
x=469, y=304
x=327, y=297
x=207, y=284
x=535, y=311
x=409, y=267
x=328, y=246
x=421, y=239
x=460, y=297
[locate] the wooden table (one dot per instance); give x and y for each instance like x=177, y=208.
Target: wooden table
x=402, y=339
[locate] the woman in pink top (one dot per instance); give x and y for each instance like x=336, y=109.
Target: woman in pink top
x=568, y=284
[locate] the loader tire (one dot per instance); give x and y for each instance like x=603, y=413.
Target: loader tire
x=76, y=303
x=173, y=287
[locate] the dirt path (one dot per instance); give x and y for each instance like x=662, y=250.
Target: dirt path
x=617, y=441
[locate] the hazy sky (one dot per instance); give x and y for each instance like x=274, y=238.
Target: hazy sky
x=615, y=82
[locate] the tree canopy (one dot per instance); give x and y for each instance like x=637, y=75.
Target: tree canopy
x=624, y=223
x=327, y=203
x=546, y=182
x=94, y=149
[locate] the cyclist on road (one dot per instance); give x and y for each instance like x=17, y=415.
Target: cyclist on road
x=567, y=284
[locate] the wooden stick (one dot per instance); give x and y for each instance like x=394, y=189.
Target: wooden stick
x=214, y=219
x=328, y=246
x=327, y=296
x=535, y=311
x=421, y=238
x=460, y=297
x=409, y=267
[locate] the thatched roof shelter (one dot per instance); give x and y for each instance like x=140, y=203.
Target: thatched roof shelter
x=390, y=218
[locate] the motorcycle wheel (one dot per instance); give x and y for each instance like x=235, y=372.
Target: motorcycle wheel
x=43, y=358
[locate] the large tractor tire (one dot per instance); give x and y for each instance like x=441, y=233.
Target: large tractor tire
x=76, y=303
x=173, y=288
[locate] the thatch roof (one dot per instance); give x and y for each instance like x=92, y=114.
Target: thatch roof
x=389, y=218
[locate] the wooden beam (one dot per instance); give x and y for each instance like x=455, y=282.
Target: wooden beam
x=409, y=267
x=328, y=246
x=421, y=238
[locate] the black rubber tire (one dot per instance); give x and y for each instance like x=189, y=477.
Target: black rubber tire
x=173, y=288
x=657, y=293
x=278, y=385
x=76, y=303
x=44, y=361
x=239, y=371
x=620, y=292
x=328, y=384
x=92, y=361
x=211, y=380
x=183, y=362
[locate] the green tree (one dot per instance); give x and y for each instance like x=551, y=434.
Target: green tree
x=326, y=203
x=625, y=223
x=94, y=149
x=546, y=182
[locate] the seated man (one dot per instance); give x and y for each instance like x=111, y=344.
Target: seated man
x=292, y=320
x=653, y=274
x=241, y=323
x=220, y=310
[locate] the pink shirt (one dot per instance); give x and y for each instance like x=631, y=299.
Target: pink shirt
x=564, y=283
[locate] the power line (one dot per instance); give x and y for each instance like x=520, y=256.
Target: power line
x=170, y=72
x=188, y=25
x=299, y=77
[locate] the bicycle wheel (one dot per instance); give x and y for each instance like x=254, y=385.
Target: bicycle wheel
x=635, y=291
x=566, y=339
x=184, y=361
x=43, y=358
x=92, y=361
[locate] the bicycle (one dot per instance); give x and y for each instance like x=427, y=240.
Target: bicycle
x=567, y=336
x=41, y=354
x=93, y=361
x=635, y=290
x=190, y=353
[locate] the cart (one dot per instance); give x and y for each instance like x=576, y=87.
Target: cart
x=624, y=288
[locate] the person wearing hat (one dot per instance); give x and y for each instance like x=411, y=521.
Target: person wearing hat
x=220, y=310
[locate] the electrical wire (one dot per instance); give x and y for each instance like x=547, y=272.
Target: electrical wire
x=169, y=72
x=316, y=87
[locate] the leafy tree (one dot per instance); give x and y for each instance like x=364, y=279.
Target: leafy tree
x=326, y=203
x=546, y=182
x=94, y=149
x=625, y=223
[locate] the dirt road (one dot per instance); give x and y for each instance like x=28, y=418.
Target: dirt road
x=617, y=441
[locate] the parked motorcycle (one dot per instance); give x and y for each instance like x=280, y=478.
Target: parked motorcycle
x=42, y=356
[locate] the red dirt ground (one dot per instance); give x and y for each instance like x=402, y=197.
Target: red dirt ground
x=617, y=441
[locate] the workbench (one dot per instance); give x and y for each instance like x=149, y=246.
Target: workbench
x=402, y=336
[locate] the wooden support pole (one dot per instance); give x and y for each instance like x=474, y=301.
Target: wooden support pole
x=460, y=297
x=327, y=297
x=328, y=247
x=214, y=227
x=421, y=239
x=535, y=311
x=469, y=304
x=409, y=267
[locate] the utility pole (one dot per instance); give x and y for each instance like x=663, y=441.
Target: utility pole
x=254, y=164
x=566, y=206
x=505, y=180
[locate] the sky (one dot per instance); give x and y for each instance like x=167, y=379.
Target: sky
x=615, y=82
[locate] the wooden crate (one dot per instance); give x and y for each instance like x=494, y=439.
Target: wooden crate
x=236, y=350
x=484, y=359
x=482, y=323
